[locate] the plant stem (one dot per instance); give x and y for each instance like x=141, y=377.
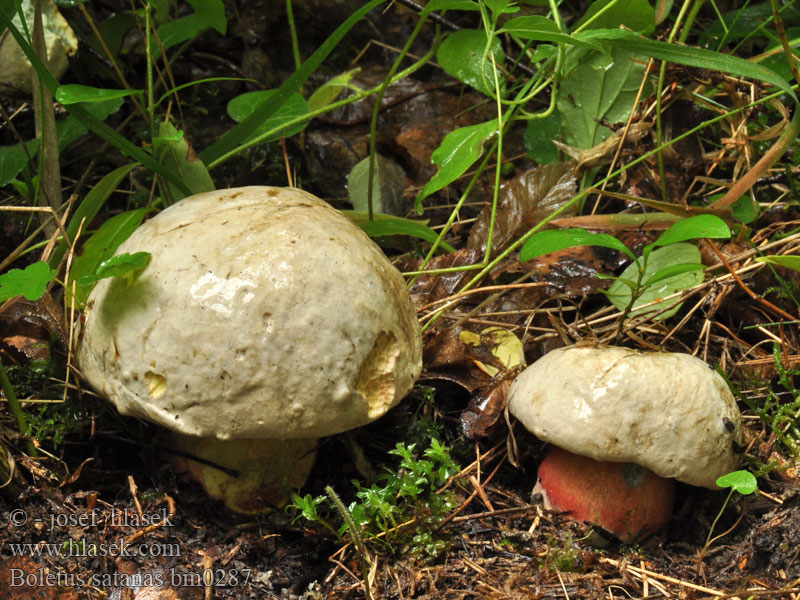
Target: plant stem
x=355, y=535
x=16, y=410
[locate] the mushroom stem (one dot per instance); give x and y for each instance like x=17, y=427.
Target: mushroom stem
x=624, y=499
x=265, y=469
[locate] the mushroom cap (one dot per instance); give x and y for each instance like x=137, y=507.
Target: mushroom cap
x=670, y=413
x=264, y=313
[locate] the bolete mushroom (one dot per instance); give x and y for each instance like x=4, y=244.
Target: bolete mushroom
x=265, y=320
x=624, y=425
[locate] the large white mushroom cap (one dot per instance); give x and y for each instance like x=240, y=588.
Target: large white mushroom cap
x=670, y=413
x=264, y=313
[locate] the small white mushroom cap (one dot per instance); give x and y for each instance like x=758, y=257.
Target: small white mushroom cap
x=264, y=313
x=670, y=413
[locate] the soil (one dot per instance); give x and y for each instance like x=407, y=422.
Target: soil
x=101, y=513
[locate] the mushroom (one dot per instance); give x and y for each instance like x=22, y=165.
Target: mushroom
x=265, y=320
x=624, y=425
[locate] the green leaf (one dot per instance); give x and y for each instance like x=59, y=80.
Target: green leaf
x=744, y=209
x=461, y=55
x=30, y=282
x=14, y=158
x=699, y=226
x=175, y=153
x=636, y=15
x=388, y=184
x=457, y=152
x=245, y=105
x=72, y=128
x=677, y=254
x=330, y=90
x=671, y=271
x=790, y=262
x=538, y=139
x=601, y=87
x=73, y=93
x=542, y=29
x=554, y=240
x=687, y=55
x=452, y=5
x=743, y=482
x=101, y=246
x=123, y=265
x=89, y=207
x=178, y=31
x=230, y=143
x=212, y=12
x=382, y=225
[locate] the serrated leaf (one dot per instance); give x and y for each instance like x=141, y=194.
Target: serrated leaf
x=123, y=265
x=554, y=240
x=457, y=152
x=790, y=262
x=743, y=482
x=30, y=282
x=699, y=226
x=677, y=254
x=461, y=55
x=382, y=225
x=73, y=93
x=101, y=246
x=242, y=107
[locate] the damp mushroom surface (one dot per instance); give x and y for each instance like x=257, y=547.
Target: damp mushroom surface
x=624, y=425
x=265, y=320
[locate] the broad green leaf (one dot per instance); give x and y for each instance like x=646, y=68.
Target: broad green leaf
x=687, y=55
x=553, y=240
x=790, y=262
x=175, y=153
x=743, y=482
x=677, y=254
x=233, y=140
x=30, y=282
x=330, y=90
x=125, y=265
x=601, y=87
x=72, y=128
x=501, y=7
x=382, y=225
x=388, y=184
x=693, y=228
x=671, y=271
x=636, y=15
x=744, y=210
x=89, y=207
x=461, y=55
x=451, y=5
x=244, y=106
x=14, y=158
x=542, y=29
x=212, y=12
x=457, y=152
x=73, y=93
x=538, y=139
x=101, y=246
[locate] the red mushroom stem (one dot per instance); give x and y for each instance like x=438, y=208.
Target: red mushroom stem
x=624, y=499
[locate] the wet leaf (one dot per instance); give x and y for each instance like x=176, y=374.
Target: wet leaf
x=539, y=137
x=699, y=226
x=461, y=55
x=552, y=240
x=457, y=152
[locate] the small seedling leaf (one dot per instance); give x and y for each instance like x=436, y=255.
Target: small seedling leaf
x=699, y=226
x=72, y=93
x=548, y=241
x=620, y=293
x=128, y=266
x=790, y=262
x=743, y=482
x=30, y=282
x=457, y=152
